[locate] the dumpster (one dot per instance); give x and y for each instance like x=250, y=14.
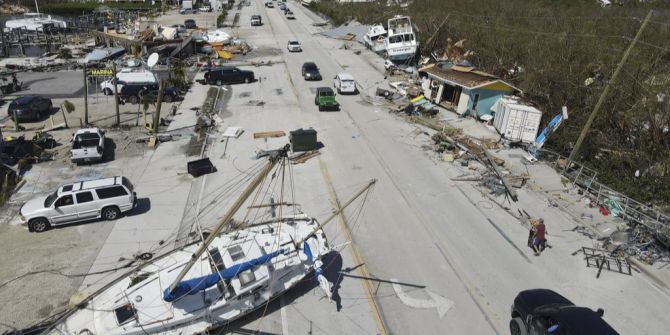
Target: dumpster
x=303, y=140
x=200, y=167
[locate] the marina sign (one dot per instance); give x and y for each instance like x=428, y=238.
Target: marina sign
x=99, y=72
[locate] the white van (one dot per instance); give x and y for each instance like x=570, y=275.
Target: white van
x=127, y=76
x=103, y=198
x=344, y=83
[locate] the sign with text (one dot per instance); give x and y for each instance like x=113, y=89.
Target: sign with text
x=99, y=72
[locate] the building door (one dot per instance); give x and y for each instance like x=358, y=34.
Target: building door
x=463, y=103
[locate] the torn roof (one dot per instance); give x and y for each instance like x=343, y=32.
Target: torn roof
x=467, y=77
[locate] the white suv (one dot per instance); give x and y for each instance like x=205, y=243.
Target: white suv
x=344, y=83
x=293, y=46
x=103, y=198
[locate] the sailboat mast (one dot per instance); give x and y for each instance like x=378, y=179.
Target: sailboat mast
x=37, y=8
x=339, y=210
x=279, y=155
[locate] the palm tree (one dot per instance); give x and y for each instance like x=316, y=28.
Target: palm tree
x=68, y=107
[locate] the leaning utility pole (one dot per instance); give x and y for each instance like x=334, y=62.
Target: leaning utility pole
x=116, y=95
x=157, y=115
x=603, y=95
x=85, y=97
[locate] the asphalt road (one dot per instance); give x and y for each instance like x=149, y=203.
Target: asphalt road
x=457, y=259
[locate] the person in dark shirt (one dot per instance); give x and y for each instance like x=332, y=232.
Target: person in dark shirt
x=539, y=239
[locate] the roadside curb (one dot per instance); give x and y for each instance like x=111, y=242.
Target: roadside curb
x=645, y=269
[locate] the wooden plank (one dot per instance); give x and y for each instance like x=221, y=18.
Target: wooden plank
x=266, y=134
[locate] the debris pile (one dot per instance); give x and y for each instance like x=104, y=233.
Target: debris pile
x=639, y=242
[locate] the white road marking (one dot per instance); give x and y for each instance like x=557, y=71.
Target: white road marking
x=442, y=304
x=284, y=318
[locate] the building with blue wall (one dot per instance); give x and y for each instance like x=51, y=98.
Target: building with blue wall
x=465, y=90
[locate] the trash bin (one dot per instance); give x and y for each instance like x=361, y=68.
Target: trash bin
x=200, y=167
x=303, y=140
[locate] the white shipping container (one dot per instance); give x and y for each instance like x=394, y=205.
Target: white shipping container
x=515, y=121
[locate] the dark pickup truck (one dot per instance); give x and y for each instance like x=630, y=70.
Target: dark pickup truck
x=542, y=311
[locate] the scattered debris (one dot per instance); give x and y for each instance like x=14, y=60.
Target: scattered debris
x=200, y=167
x=304, y=156
x=272, y=133
x=601, y=259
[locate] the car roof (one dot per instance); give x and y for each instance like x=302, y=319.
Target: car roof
x=324, y=89
x=345, y=76
x=26, y=99
x=309, y=64
x=293, y=42
x=89, y=184
x=581, y=321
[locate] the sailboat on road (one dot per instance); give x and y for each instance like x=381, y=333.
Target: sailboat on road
x=213, y=282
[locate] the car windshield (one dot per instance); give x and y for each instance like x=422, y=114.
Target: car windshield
x=294, y=43
x=50, y=199
x=310, y=66
x=348, y=82
x=327, y=93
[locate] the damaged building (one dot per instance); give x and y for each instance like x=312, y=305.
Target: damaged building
x=463, y=89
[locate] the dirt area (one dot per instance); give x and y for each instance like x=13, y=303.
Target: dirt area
x=47, y=267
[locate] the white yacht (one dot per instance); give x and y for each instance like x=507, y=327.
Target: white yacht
x=210, y=283
x=34, y=22
x=375, y=37
x=401, y=43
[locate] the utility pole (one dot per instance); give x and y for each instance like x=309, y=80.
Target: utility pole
x=157, y=115
x=85, y=98
x=116, y=95
x=603, y=95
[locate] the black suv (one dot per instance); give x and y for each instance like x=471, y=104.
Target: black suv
x=228, y=75
x=131, y=92
x=310, y=71
x=190, y=24
x=30, y=107
x=542, y=311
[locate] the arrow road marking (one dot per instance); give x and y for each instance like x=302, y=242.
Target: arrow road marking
x=442, y=304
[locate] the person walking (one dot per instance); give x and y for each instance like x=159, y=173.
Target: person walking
x=539, y=240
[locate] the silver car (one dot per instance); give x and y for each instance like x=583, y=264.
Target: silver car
x=103, y=198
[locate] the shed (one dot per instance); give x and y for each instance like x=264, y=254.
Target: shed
x=463, y=89
x=516, y=121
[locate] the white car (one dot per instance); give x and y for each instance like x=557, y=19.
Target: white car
x=88, y=145
x=344, y=83
x=388, y=64
x=290, y=16
x=294, y=46
x=205, y=8
x=103, y=198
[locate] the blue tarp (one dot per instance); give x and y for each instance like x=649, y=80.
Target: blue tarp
x=195, y=285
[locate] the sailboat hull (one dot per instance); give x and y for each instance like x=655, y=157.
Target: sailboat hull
x=135, y=306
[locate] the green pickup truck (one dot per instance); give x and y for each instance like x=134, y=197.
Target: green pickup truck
x=325, y=99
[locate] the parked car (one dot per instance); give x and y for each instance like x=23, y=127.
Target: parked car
x=132, y=92
x=103, y=198
x=344, y=83
x=190, y=24
x=30, y=107
x=294, y=46
x=256, y=20
x=88, y=145
x=228, y=75
x=388, y=64
x=290, y=16
x=126, y=76
x=205, y=8
x=180, y=28
x=188, y=11
x=542, y=311
x=325, y=99
x=270, y=4
x=310, y=71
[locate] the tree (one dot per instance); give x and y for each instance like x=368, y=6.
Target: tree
x=64, y=53
x=68, y=107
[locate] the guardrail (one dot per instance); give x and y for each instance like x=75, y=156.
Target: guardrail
x=617, y=203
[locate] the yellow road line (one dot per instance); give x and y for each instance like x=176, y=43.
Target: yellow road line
x=362, y=269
